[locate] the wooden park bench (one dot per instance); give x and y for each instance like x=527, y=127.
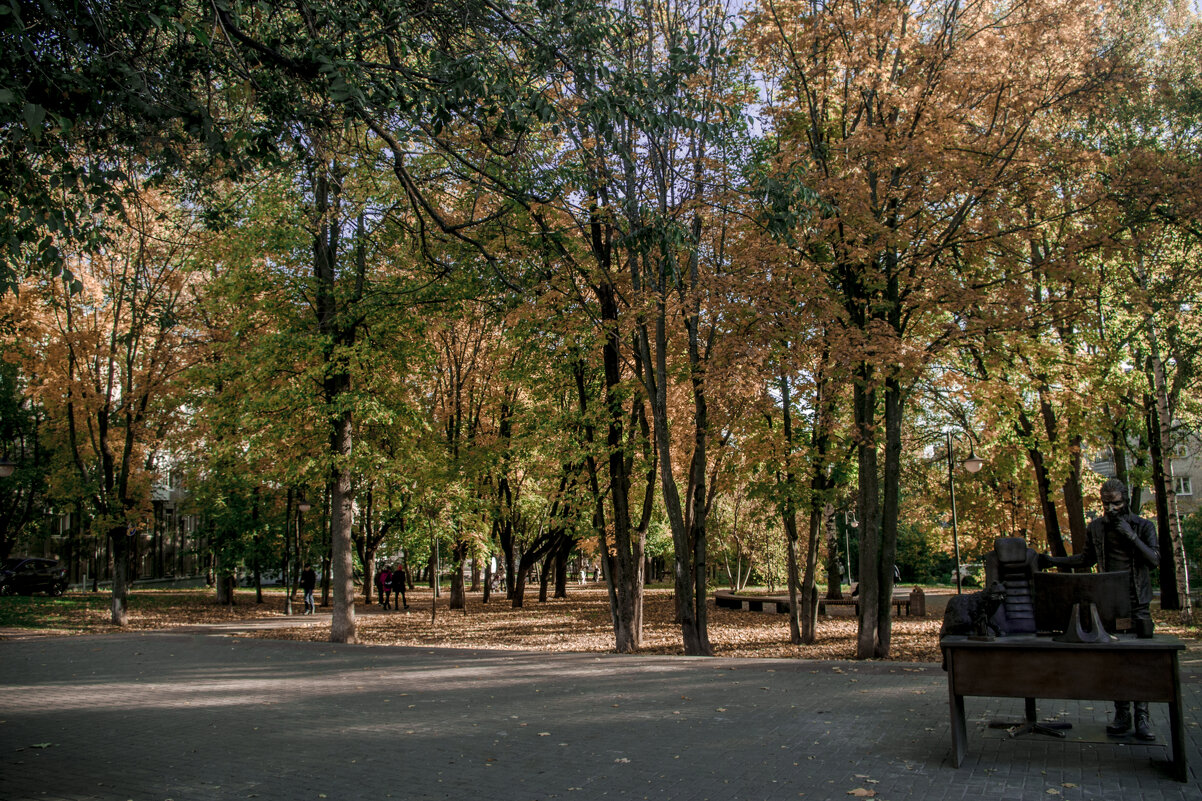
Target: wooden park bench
x=780, y=603
x=901, y=603
x=752, y=603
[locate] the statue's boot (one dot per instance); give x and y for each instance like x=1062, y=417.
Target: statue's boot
x=1122, y=718
x=1143, y=722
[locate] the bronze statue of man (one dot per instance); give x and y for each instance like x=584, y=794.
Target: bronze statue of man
x=1120, y=540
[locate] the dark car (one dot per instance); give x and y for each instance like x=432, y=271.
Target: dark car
x=27, y=575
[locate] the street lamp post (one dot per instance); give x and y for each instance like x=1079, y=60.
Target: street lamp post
x=302, y=506
x=972, y=464
x=849, y=522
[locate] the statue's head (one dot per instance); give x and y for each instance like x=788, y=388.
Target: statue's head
x=1115, y=500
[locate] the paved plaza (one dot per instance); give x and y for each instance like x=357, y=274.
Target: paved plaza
x=200, y=715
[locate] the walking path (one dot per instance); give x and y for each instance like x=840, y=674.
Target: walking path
x=197, y=715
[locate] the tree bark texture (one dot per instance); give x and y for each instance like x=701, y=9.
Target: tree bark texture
x=868, y=510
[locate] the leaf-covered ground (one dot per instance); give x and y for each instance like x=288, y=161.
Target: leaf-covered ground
x=579, y=623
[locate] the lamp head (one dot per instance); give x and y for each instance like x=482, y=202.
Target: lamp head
x=973, y=463
x=7, y=466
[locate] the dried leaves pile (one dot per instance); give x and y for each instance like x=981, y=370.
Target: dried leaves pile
x=579, y=623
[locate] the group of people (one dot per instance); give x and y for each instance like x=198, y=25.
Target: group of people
x=391, y=583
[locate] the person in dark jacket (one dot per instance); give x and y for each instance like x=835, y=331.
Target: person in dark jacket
x=1121, y=540
x=398, y=587
x=308, y=584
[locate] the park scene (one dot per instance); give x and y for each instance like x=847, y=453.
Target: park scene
x=699, y=399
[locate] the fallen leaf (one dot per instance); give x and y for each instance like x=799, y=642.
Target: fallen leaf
x=860, y=792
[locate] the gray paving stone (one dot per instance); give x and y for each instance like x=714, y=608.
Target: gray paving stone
x=200, y=716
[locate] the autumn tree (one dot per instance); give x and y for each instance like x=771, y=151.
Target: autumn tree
x=105, y=362
x=1153, y=136
x=22, y=494
x=918, y=151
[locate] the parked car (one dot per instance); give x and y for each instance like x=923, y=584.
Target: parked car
x=27, y=575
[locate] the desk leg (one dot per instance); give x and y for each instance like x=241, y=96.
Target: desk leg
x=1177, y=727
x=956, y=707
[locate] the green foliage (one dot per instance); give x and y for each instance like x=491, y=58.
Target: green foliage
x=1191, y=534
x=86, y=87
x=918, y=560
x=23, y=494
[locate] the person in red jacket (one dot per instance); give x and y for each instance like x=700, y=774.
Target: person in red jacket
x=384, y=580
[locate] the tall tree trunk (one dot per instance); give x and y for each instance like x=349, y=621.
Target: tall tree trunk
x=561, y=567
x=868, y=509
x=520, y=581
x=368, y=558
x=1074, y=502
x=788, y=512
x=688, y=533
x=1170, y=598
x=793, y=571
x=1074, y=505
x=820, y=484
x=339, y=330
x=119, y=537
x=458, y=599
x=1043, y=485
x=224, y=586
x=342, y=626
x=1176, y=564
x=809, y=582
x=544, y=578
x=257, y=546
x=887, y=553
x=622, y=557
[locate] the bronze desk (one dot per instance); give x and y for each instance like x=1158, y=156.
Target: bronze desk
x=1028, y=666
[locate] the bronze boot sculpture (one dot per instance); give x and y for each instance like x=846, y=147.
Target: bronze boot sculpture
x=1122, y=718
x=1143, y=722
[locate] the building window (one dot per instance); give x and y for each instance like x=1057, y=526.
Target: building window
x=1182, y=485
x=1180, y=451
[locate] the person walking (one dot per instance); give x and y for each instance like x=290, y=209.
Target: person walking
x=399, y=577
x=385, y=585
x=308, y=584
